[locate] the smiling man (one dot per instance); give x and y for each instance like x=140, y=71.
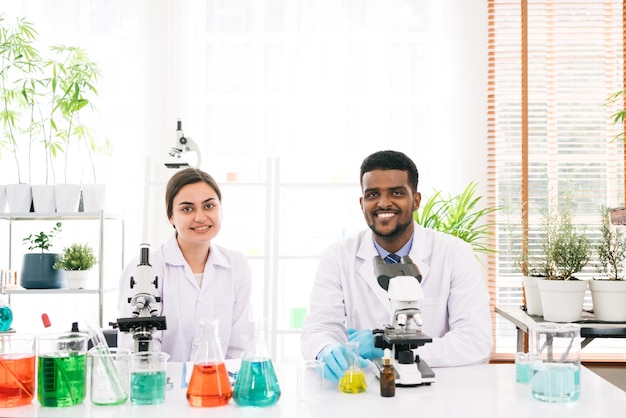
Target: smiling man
x=347, y=302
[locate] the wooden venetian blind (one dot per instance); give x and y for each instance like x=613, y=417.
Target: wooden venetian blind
x=552, y=65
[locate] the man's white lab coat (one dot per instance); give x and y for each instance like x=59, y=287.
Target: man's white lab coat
x=225, y=296
x=455, y=310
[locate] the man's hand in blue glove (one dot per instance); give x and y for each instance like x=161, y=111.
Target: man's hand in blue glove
x=365, y=338
x=334, y=358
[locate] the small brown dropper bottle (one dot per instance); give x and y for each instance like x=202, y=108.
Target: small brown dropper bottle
x=387, y=376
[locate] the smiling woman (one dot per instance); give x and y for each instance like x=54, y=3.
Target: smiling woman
x=193, y=272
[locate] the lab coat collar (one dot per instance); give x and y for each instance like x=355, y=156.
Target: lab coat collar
x=174, y=256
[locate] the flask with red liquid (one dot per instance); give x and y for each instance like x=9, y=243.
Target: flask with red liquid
x=209, y=385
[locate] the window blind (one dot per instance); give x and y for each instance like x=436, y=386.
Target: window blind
x=552, y=66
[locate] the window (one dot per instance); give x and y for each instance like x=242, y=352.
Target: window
x=552, y=65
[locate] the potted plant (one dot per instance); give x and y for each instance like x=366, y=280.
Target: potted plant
x=42, y=103
x=562, y=294
x=535, y=266
x=76, y=260
x=608, y=290
x=37, y=268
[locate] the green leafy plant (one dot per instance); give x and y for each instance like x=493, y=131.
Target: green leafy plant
x=611, y=249
x=458, y=215
x=19, y=62
x=42, y=240
x=618, y=117
x=76, y=257
x=43, y=99
x=570, y=248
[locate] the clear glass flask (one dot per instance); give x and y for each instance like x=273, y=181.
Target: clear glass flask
x=209, y=385
x=6, y=314
x=257, y=384
x=353, y=381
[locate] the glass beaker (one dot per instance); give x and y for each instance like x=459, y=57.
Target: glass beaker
x=209, y=385
x=147, y=377
x=110, y=375
x=17, y=369
x=62, y=369
x=256, y=384
x=353, y=381
x=555, y=362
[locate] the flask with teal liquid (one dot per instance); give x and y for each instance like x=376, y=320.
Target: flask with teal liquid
x=6, y=314
x=256, y=383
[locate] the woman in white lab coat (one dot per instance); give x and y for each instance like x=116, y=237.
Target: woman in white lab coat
x=198, y=280
x=347, y=302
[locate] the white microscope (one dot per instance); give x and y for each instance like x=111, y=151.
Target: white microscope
x=402, y=283
x=181, y=151
x=144, y=321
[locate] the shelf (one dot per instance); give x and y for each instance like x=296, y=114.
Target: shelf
x=97, y=234
x=34, y=216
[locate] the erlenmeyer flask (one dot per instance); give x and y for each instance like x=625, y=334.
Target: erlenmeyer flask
x=353, y=381
x=6, y=314
x=209, y=385
x=256, y=384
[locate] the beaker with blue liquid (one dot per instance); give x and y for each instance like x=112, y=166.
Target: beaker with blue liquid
x=555, y=362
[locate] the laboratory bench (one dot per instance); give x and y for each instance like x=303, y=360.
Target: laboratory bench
x=485, y=390
x=590, y=328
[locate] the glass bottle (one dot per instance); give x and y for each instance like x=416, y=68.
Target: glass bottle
x=353, y=380
x=387, y=376
x=256, y=384
x=209, y=385
x=6, y=314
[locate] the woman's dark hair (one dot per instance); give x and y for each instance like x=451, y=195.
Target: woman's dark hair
x=390, y=160
x=181, y=179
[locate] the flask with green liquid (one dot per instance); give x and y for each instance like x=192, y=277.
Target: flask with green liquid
x=353, y=381
x=256, y=384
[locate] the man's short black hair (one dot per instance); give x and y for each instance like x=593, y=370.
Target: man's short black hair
x=390, y=160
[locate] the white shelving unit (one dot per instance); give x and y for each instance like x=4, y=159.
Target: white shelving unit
x=97, y=236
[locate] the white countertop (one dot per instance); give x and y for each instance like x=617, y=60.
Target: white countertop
x=474, y=391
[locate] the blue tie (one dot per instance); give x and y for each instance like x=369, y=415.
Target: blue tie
x=392, y=258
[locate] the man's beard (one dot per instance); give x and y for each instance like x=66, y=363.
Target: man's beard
x=393, y=235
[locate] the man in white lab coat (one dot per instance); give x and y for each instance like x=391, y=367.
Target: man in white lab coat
x=347, y=302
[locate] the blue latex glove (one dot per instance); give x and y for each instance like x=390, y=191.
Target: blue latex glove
x=334, y=358
x=365, y=338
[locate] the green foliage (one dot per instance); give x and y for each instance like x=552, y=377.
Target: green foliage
x=570, y=248
x=42, y=99
x=19, y=62
x=618, y=117
x=76, y=257
x=611, y=249
x=459, y=216
x=42, y=240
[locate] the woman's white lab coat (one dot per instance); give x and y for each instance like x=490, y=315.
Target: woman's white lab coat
x=455, y=310
x=225, y=296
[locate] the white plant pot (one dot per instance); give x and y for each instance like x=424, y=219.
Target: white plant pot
x=43, y=198
x=67, y=197
x=609, y=299
x=533, y=296
x=93, y=197
x=562, y=300
x=3, y=197
x=19, y=197
x=77, y=279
